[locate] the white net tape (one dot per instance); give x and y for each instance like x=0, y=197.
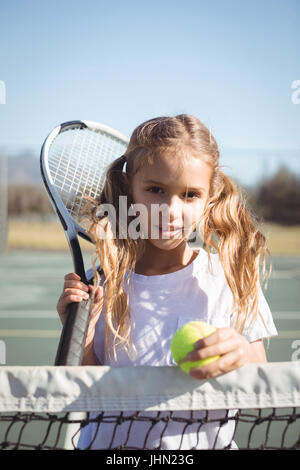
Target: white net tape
x=146, y=388
x=254, y=407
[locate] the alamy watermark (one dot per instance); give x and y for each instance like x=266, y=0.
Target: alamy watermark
x=296, y=347
x=161, y=226
x=2, y=352
x=2, y=92
x=296, y=94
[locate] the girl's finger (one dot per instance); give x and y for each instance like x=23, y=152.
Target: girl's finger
x=73, y=298
x=97, y=291
x=68, y=292
x=76, y=284
x=69, y=299
x=225, y=364
x=99, y=294
x=220, y=335
x=71, y=276
x=63, y=303
x=217, y=349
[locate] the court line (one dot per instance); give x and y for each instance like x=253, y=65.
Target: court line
x=289, y=334
x=54, y=314
x=29, y=314
x=30, y=333
x=285, y=274
x=286, y=315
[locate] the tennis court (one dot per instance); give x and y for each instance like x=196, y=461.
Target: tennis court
x=30, y=331
x=32, y=282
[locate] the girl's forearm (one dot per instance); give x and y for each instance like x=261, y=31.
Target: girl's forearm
x=89, y=357
x=257, y=352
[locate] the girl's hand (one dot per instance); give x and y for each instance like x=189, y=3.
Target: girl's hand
x=233, y=349
x=75, y=291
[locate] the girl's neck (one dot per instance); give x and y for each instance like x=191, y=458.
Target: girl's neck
x=155, y=261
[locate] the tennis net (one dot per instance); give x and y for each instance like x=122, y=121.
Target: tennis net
x=254, y=407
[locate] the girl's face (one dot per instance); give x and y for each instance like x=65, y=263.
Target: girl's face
x=180, y=188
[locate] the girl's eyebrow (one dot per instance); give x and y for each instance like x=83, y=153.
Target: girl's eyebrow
x=162, y=184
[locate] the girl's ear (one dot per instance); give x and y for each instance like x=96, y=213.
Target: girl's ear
x=124, y=179
x=125, y=183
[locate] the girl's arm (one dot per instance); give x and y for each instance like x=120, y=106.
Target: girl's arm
x=76, y=291
x=89, y=358
x=257, y=351
x=234, y=351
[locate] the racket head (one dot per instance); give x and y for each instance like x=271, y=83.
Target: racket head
x=74, y=160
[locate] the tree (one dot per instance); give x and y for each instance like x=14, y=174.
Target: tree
x=28, y=199
x=277, y=199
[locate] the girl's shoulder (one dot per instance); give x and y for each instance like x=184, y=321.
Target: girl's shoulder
x=209, y=262
x=90, y=275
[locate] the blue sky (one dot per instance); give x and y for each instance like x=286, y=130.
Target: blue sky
x=229, y=62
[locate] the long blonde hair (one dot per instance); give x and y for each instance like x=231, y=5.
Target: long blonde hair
x=227, y=226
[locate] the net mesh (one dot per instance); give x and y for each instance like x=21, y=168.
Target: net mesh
x=78, y=160
x=255, y=407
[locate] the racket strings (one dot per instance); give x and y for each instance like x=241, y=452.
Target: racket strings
x=78, y=160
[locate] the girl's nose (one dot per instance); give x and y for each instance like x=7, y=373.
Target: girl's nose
x=174, y=207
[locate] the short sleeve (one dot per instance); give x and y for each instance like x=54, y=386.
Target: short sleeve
x=263, y=326
x=90, y=275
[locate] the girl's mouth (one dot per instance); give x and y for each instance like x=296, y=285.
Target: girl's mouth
x=169, y=232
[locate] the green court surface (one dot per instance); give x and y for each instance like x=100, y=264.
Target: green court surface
x=31, y=283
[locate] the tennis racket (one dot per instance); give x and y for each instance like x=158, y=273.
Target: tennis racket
x=74, y=159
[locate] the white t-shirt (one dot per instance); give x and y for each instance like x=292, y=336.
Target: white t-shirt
x=159, y=306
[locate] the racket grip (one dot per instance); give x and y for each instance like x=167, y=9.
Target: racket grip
x=73, y=336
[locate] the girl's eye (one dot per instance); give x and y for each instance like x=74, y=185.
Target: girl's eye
x=155, y=189
x=190, y=195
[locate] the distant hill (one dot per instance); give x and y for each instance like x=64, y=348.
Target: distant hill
x=246, y=166
x=24, y=169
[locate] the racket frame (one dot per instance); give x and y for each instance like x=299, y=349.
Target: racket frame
x=67, y=353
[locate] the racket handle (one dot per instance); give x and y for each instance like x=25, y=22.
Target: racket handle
x=73, y=336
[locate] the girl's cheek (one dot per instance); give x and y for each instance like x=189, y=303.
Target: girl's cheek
x=193, y=215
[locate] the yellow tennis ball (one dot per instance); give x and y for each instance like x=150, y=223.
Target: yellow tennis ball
x=184, y=340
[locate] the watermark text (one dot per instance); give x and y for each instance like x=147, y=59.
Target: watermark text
x=2, y=352
x=137, y=222
x=2, y=92
x=296, y=347
x=296, y=94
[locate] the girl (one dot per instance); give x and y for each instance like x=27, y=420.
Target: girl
x=155, y=282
